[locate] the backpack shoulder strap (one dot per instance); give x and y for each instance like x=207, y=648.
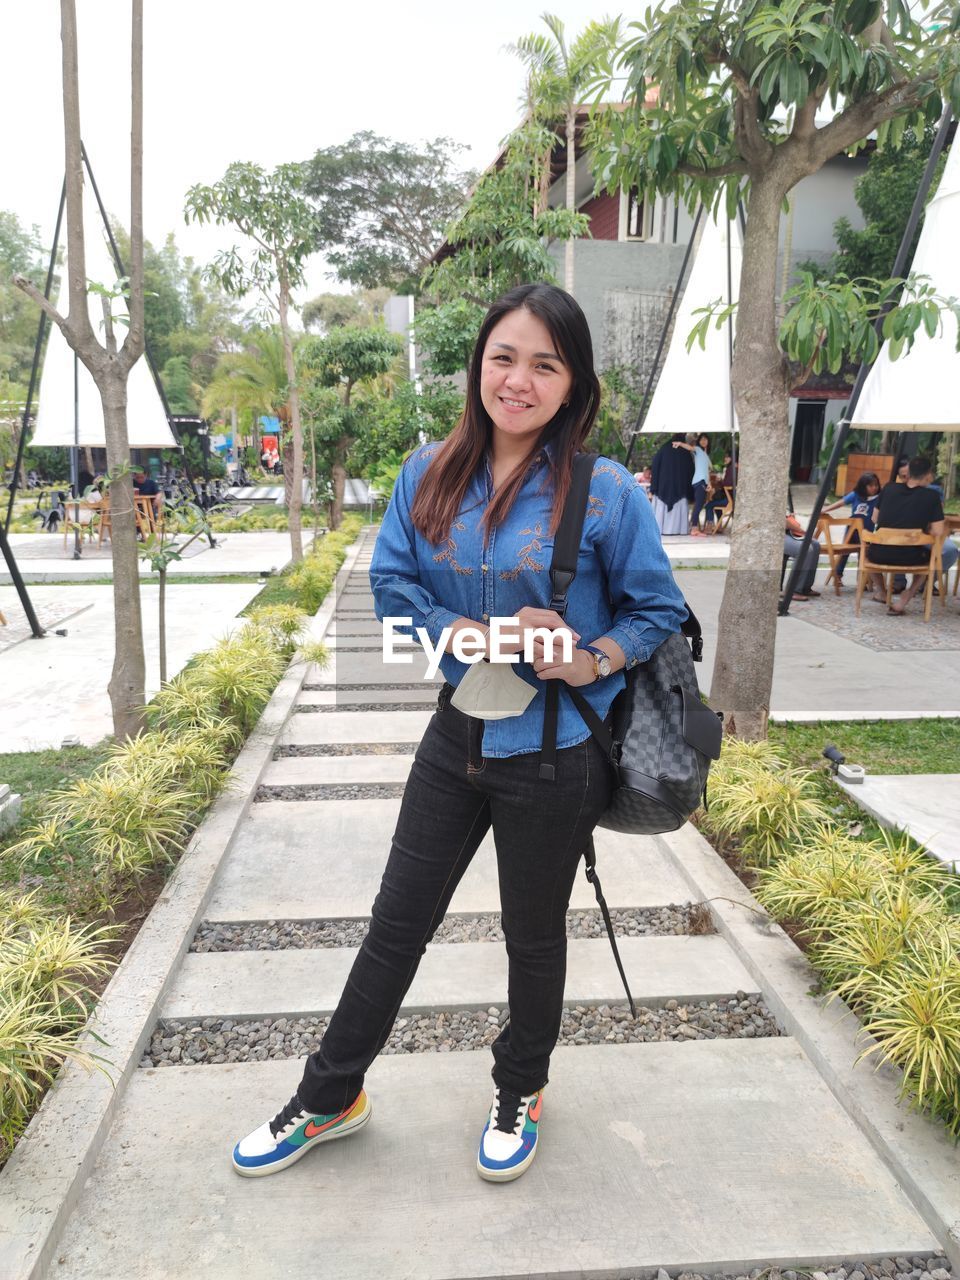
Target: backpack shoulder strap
x=563, y=570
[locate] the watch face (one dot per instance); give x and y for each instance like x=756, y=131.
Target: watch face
x=603, y=665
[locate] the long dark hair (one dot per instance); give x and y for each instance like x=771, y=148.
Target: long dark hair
x=868, y=478
x=442, y=489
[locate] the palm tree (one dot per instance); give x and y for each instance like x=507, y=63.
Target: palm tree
x=558, y=80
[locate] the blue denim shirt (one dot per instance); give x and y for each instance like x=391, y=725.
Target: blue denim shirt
x=624, y=587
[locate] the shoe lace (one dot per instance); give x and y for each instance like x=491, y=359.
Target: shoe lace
x=292, y=1111
x=507, y=1111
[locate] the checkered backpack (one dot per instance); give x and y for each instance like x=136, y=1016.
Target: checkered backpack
x=663, y=737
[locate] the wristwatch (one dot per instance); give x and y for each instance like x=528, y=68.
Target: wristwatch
x=601, y=661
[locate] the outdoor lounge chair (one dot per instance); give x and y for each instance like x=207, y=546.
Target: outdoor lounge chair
x=931, y=569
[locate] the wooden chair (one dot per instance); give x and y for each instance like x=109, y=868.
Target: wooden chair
x=723, y=515
x=105, y=530
x=850, y=542
x=931, y=569
x=148, y=519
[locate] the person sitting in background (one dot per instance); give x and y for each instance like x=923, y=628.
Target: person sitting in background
x=911, y=505
x=719, y=500
x=792, y=542
x=862, y=501
x=701, y=478
x=146, y=487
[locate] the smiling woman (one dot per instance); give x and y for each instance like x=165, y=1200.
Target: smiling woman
x=467, y=542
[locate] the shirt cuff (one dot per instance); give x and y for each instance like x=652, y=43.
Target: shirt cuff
x=435, y=621
x=635, y=650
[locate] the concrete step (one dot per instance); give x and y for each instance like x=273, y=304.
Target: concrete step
x=422, y=691
x=316, y=859
x=709, y=1156
x=467, y=975
x=306, y=770
x=355, y=726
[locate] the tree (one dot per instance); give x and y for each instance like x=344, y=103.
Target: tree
x=271, y=210
x=503, y=235
x=739, y=89
x=382, y=206
x=446, y=335
x=341, y=360
x=559, y=81
x=109, y=362
x=21, y=254
x=178, y=385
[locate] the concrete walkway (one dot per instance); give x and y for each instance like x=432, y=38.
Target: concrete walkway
x=705, y=1154
x=926, y=805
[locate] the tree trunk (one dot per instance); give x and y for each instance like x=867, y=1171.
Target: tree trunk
x=743, y=672
x=339, y=474
x=127, y=679
x=571, y=194
x=295, y=501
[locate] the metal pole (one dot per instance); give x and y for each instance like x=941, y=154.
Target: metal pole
x=151, y=365
x=34, y=368
x=75, y=459
x=5, y=548
x=899, y=264
x=663, y=337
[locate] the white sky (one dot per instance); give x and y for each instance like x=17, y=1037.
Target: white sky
x=253, y=80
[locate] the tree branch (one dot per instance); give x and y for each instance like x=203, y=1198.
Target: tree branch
x=133, y=343
x=805, y=122
x=750, y=140
x=45, y=305
x=861, y=118
x=714, y=171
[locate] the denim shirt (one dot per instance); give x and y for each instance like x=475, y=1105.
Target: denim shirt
x=624, y=588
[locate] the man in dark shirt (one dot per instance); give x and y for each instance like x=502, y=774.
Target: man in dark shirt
x=911, y=505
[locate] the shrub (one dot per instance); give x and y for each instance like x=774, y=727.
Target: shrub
x=768, y=811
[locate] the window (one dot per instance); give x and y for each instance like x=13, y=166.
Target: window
x=639, y=216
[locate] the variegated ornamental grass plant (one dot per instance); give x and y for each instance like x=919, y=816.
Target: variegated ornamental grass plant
x=878, y=917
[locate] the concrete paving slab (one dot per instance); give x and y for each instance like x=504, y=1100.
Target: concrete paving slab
x=57, y=686
x=306, y=770
x=469, y=975
x=926, y=805
x=42, y=558
x=355, y=726
x=313, y=859
x=422, y=691
x=819, y=675
x=706, y=1156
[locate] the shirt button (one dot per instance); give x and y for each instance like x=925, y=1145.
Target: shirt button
x=484, y=568
x=484, y=616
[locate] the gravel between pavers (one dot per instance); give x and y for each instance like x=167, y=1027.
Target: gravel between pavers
x=936, y=1267
x=345, y=749
x=328, y=791
x=218, y=1040
x=336, y=687
x=303, y=935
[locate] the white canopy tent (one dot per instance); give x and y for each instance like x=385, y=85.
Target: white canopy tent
x=921, y=390
x=694, y=392
x=147, y=423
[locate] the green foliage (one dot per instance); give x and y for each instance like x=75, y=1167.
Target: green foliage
x=331, y=311
x=347, y=356
x=252, y=380
x=716, y=88
x=879, y=922
x=619, y=407
x=178, y=384
x=21, y=253
x=381, y=206
x=394, y=424
x=446, y=335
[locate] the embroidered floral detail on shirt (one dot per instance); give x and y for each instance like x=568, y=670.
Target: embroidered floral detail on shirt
x=449, y=547
x=525, y=556
x=604, y=469
x=595, y=506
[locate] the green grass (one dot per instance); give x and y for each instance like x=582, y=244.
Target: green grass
x=882, y=746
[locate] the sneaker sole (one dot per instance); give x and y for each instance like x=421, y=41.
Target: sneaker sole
x=342, y=1131
x=507, y=1175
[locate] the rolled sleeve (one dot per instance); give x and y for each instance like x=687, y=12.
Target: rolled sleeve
x=395, y=570
x=647, y=604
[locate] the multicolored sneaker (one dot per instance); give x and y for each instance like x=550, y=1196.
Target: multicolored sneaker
x=509, y=1140
x=291, y=1134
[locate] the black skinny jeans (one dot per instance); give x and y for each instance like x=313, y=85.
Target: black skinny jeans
x=540, y=830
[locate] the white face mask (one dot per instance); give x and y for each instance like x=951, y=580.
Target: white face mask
x=492, y=691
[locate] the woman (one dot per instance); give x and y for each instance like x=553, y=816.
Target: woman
x=700, y=452
x=670, y=478
x=468, y=537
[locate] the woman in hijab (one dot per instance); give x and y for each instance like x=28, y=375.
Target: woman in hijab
x=672, y=474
